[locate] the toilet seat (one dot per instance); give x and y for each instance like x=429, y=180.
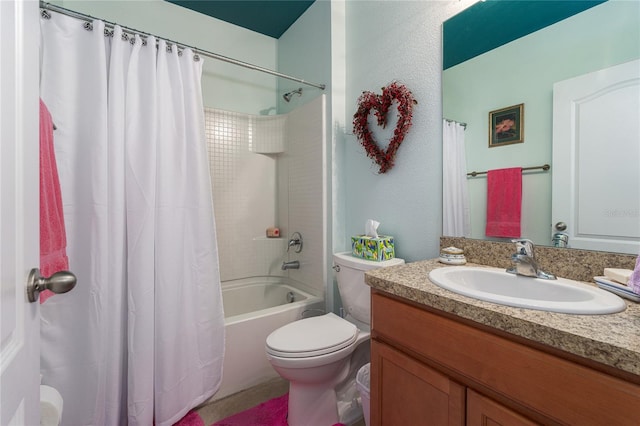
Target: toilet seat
x=312, y=337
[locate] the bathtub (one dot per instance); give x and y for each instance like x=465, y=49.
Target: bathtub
x=253, y=308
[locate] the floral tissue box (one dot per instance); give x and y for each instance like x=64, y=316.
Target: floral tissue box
x=377, y=249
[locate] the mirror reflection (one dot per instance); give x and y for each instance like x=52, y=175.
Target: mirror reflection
x=479, y=78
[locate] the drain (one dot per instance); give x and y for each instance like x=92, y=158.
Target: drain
x=290, y=297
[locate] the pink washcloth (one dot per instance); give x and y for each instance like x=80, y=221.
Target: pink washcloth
x=53, y=238
x=504, y=202
x=634, y=279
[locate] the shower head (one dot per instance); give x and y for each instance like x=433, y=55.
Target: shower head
x=287, y=96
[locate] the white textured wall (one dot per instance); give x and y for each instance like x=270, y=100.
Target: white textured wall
x=224, y=86
x=386, y=41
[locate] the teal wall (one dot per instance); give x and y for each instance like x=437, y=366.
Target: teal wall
x=304, y=51
x=524, y=71
x=386, y=41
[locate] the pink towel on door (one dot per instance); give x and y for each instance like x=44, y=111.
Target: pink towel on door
x=504, y=202
x=53, y=238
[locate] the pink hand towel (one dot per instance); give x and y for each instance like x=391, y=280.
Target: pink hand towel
x=53, y=238
x=634, y=279
x=504, y=202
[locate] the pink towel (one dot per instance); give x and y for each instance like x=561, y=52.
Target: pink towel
x=53, y=238
x=634, y=279
x=504, y=202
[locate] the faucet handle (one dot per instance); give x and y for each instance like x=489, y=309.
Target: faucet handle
x=295, y=240
x=524, y=246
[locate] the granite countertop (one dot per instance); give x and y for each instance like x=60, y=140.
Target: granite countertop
x=612, y=340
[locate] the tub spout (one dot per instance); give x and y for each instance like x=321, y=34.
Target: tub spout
x=294, y=264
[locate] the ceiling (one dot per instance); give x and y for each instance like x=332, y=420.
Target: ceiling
x=269, y=17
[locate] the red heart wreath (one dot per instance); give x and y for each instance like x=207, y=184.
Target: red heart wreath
x=381, y=104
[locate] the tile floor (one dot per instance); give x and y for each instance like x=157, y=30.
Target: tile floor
x=232, y=404
x=246, y=399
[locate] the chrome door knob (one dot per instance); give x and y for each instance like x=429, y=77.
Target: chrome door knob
x=561, y=226
x=60, y=282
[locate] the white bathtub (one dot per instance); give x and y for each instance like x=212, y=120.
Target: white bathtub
x=254, y=307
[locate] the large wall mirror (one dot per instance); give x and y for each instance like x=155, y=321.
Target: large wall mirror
x=500, y=53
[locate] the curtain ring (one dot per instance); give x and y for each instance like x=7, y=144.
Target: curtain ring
x=196, y=57
x=108, y=32
x=45, y=14
x=169, y=48
x=125, y=36
x=88, y=26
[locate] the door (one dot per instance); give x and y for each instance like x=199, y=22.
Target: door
x=405, y=391
x=19, y=217
x=482, y=411
x=596, y=153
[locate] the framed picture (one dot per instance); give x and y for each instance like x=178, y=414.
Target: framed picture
x=506, y=126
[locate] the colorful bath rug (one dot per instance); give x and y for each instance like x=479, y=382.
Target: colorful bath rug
x=270, y=413
x=191, y=419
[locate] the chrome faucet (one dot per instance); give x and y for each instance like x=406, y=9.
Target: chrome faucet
x=294, y=264
x=524, y=260
x=295, y=241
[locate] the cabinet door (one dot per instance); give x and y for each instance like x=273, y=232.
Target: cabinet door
x=482, y=411
x=406, y=392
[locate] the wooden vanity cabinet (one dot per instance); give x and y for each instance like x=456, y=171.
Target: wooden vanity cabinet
x=429, y=369
x=483, y=411
x=412, y=392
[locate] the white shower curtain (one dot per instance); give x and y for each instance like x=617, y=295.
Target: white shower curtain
x=456, y=221
x=140, y=340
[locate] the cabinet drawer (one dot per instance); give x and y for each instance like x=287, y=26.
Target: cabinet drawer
x=553, y=387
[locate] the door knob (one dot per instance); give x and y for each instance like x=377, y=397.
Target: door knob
x=561, y=226
x=60, y=282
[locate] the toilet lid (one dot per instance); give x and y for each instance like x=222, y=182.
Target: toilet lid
x=312, y=337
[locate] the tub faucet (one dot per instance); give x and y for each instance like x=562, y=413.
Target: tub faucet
x=525, y=261
x=294, y=264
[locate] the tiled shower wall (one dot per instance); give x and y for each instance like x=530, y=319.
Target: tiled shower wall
x=301, y=170
x=268, y=171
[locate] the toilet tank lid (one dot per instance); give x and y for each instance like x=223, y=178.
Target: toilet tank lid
x=346, y=259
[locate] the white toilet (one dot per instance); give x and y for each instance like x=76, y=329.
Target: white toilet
x=315, y=354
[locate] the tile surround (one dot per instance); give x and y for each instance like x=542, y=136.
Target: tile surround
x=268, y=171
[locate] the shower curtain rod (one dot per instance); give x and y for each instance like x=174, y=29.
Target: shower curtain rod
x=89, y=18
x=457, y=122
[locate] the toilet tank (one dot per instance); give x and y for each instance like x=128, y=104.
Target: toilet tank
x=354, y=293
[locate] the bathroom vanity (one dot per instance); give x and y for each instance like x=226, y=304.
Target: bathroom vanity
x=439, y=358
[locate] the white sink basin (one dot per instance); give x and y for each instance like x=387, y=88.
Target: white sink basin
x=497, y=286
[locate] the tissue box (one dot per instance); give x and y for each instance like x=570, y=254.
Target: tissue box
x=378, y=249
